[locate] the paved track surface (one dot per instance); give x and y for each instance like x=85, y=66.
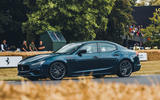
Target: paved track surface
x=143, y=80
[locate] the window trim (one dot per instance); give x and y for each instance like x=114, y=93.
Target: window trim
x=106, y=51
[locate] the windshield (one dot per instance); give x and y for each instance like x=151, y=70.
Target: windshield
x=69, y=48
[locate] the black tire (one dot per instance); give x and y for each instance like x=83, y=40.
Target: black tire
x=125, y=68
x=57, y=71
x=33, y=78
x=98, y=76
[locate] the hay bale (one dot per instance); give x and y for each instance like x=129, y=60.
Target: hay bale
x=23, y=54
x=152, y=54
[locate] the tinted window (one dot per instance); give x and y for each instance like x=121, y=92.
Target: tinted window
x=105, y=47
x=91, y=48
x=69, y=48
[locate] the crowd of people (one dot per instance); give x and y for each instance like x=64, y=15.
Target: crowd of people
x=31, y=47
x=136, y=30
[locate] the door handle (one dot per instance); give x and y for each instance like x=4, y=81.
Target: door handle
x=116, y=55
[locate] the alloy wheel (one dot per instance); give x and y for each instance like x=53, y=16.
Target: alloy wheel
x=125, y=68
x=57, y=71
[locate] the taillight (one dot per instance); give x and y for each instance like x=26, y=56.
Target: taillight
x=137, y=54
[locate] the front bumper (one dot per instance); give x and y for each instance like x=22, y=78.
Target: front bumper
x=137, y=67
x=29, y=71
x=136, y=64
x=34, y=73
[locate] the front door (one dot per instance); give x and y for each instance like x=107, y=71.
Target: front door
x=88, y=62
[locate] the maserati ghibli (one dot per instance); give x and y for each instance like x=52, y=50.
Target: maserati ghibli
x=96, y=58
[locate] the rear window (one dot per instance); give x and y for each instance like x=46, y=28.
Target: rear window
x=106, y=47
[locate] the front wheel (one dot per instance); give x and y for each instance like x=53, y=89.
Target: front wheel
x=125, y=68
x=57, y=71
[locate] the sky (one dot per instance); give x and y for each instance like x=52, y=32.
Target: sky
x=138, y=0
x=141, y=0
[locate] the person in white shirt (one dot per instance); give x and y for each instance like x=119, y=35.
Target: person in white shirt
x=4, y=46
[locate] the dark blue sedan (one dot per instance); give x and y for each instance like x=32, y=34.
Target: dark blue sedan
x=97, y=58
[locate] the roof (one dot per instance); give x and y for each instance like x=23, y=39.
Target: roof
x=97, y=41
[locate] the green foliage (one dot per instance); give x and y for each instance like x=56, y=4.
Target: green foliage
x=77, y=19
x=120, y=18
x=153, y=30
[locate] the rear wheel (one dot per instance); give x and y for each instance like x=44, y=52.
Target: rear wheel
x=57, y=71
x=125, y=68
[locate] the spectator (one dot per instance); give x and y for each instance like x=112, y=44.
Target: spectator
x=41, y=47
x=24, y=46
x=32, y=47
x=4, y=46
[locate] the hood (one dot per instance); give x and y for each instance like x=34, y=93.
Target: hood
x=37, y=58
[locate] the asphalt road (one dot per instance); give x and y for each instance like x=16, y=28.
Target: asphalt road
x=143, y=80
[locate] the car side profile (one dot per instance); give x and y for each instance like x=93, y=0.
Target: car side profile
x=97, y=58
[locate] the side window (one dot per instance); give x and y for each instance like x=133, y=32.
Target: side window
x=105, y=47
x=91, y=48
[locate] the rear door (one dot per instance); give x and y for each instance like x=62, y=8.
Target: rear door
x=108, y=59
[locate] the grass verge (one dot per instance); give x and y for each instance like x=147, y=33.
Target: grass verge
x=149, y=67
x=8, y=74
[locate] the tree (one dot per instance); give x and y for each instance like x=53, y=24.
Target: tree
x=119, y=20
x=12, y=14
x=153, y=30
x=77, y=19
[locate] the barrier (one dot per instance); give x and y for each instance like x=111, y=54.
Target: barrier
x=10, y=61
x=152, y=55
x=143, y=57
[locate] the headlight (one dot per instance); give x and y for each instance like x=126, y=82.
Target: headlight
x=38, y=63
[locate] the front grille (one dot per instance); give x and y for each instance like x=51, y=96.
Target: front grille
x=23, y=68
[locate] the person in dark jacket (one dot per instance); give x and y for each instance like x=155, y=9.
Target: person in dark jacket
x=41, y=47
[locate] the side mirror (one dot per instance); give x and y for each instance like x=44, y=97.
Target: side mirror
x=80, y=52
